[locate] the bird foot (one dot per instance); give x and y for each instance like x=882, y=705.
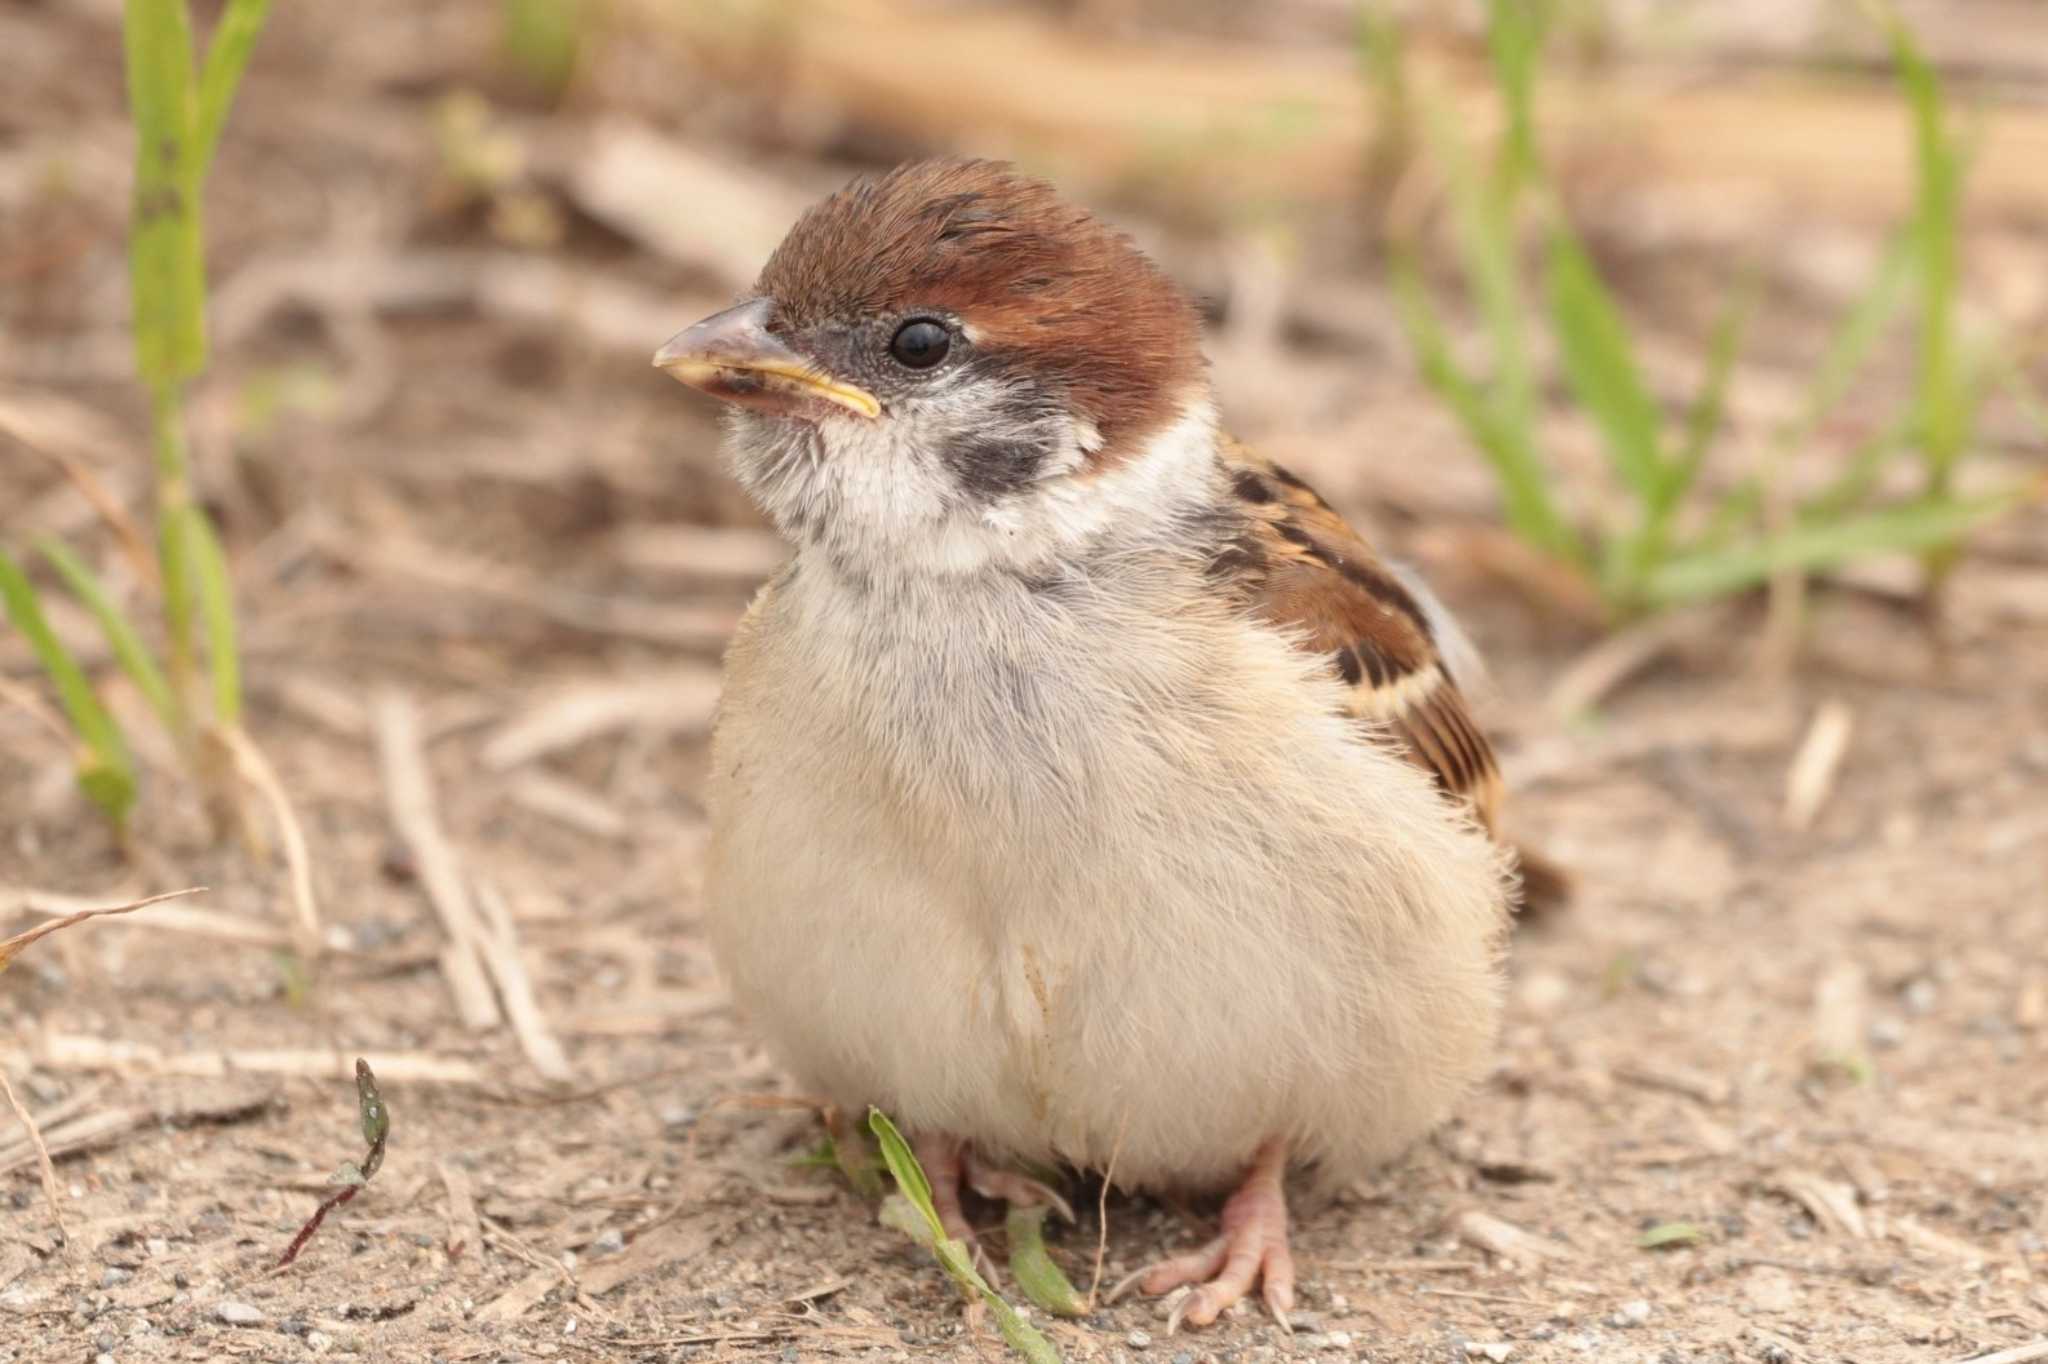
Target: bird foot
x=945, y=1163
x=1252, y=1249
x=1009, y=1186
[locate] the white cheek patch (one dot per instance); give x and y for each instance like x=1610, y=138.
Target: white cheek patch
x=881, y=497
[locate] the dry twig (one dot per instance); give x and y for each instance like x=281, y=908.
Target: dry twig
x=1811, y=778
x=1507, y=1240
x=255, y=769
x=499, y=943
x=680, y=700
x=12, y=947
x=409, y=792
x=49, y=1171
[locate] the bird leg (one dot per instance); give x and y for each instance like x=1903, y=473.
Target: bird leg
x=945, y=1160
x=1252, y=1249
x=1009, y=1186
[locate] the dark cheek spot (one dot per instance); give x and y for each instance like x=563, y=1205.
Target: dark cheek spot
x=1348, y=666
x=990, y=469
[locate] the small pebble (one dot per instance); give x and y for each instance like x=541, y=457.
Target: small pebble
x=1495, y=1350
x=1340, y=1340
x=319, y=1341
x=609, y=1242
x=112, y=1275
x=1311, y=1341
x=238, y=1314
x=1631, y=1314
x=1303, y=1320
x=1919, y=996
x=1139, y=1340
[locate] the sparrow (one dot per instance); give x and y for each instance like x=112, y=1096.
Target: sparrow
x=1085, y=792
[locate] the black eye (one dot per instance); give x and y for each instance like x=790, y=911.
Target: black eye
x=920, y=344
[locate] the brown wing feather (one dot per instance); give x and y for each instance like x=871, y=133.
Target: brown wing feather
x=1302, y=568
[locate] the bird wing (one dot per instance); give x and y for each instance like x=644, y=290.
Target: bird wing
x=1301, y=568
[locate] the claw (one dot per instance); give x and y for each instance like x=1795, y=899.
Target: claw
x=1252, y=1249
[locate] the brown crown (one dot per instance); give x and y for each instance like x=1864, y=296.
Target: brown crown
x=1040, y=283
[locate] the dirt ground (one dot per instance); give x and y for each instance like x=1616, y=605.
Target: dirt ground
x=469, y=522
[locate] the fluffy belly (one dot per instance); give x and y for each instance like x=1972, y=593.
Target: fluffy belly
x=1176, y=982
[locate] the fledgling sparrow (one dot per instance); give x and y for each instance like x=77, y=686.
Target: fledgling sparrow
x=1084, y=784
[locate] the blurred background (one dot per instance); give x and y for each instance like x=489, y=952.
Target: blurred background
x=1694, y=350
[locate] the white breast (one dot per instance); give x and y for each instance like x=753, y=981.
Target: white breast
x=1043, y=866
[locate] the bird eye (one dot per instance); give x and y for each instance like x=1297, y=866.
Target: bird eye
x=920, y=344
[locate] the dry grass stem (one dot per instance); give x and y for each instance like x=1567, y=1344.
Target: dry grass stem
x=1102, y=1209
x=699, y=627
x=663, y=1244
x=716, y=553
x=1507, y=1240
x=255, y=769
x=409, y=795
x=498, y=944
x=12, y=947
x=58, y=429
x=1472, y=1296
x=1829, y=1202
x=568, y=804
x=678, y=701
x=1597, y=673
x=197, y=922
x=1707, y=1089
x=465, y=1229
x=1811, y=778
x=51, y=1195
x=77, y=1051
x=68, y=1132
x=2018, y=1354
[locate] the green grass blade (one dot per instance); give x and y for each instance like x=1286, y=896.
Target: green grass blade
x=1482, y=221
x=166, y=269
x=952, y=1256
x=904, y=1169
x=1912, y=528
x=1852, y=487
x=1703, y=419
x=1032, y=1267
x=1525, y=488
x=544, y=37
x=206, y=569
x=107, y=772
x=1633, y=558
x=1945, y=415
x=134, y=656
x=2009, y=374
x=1599, y=364
x=227, y=56
x=1851, y=345
x=1514, y=40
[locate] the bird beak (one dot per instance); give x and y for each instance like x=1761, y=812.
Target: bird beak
x=732, y=355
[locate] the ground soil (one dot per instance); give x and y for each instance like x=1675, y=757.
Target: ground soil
x=1824, y=1051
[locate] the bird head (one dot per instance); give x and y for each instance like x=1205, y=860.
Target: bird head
x=937, y=361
